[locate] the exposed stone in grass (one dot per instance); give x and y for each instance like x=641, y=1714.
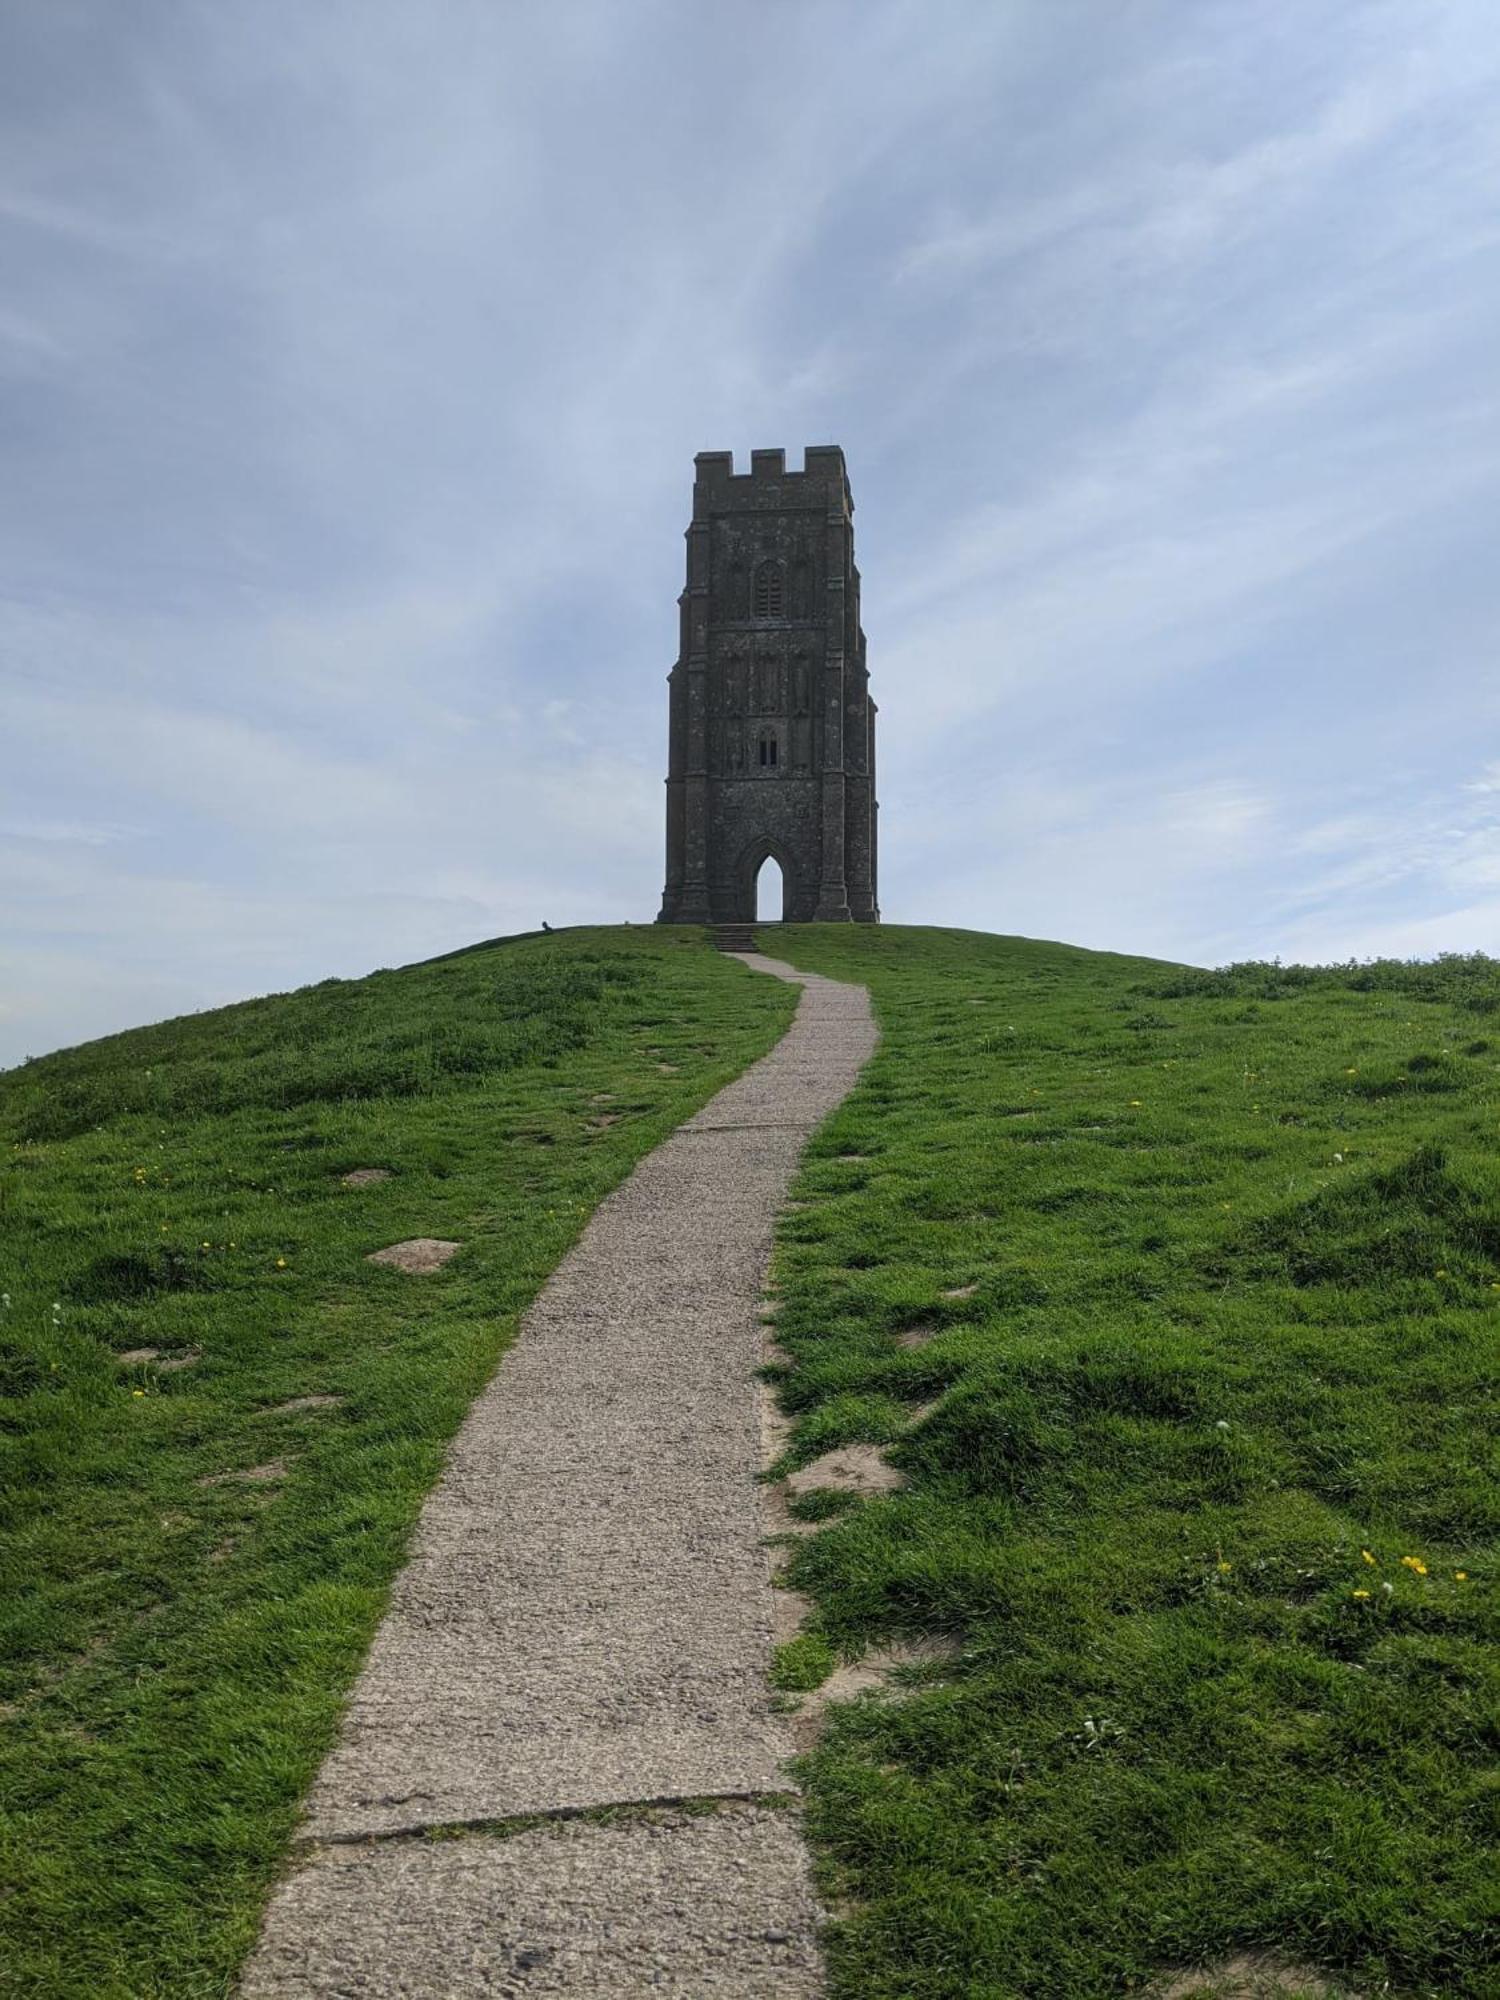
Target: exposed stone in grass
x=961, y=1291
x=1250, y=1976
x=189, y=1358
x=135, y=1357
x=667, y=1069
x=848, y=1158
x=418, y=1255
x=602, y=1097
x=295, y=1403
x=603, y=1121
x=250, y=1475
x=366, y=1176
x=849, y=1468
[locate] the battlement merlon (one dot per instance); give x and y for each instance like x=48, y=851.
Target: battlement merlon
x=719, y=489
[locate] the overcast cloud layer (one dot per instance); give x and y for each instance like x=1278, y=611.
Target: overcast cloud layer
x=352, y=363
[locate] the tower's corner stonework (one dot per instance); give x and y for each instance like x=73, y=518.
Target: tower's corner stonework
x=772, y=729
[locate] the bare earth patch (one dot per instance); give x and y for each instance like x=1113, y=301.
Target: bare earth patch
x=296, y=1403
x=252, y=1475
x=419, y=1254
x=189, y=1358
x=366, y=1176
x=850, y=1468
x=603, y=1121
x=870, y=1674
x=962, y=1292
x=133, y=1357
x=1251, y=1976
x=916, y=1336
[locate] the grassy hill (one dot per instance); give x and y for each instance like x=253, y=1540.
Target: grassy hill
x=1174, y=1295
x=218, y=1421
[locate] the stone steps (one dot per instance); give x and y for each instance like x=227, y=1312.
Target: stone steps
x=734, y=937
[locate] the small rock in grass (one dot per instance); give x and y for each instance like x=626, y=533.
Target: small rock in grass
x=850, y=1468
x=419, y=1254
x=604, y=1120
x=366, y=1176
x=318, y=1402
x=133, y=1357
x=962, y=1292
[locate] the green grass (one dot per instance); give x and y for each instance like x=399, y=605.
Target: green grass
x=1234, y=1249
x=174, y=1652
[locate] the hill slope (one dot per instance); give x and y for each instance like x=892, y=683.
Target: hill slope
x=218, y=1421
x=1175, y=1297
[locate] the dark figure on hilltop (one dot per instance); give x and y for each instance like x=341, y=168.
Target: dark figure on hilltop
x=772, y=739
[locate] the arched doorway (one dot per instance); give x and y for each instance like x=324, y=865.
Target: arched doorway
x=770, y=892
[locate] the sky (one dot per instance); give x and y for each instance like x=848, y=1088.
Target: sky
x=353, y=358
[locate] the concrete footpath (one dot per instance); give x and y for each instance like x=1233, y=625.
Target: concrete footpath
x=585, y=1621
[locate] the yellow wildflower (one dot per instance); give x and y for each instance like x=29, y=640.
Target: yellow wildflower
x=137, y=1392
x=1359, y=1593
x=1135, y=1104
x=281, y=1263
x=1415, y=1564
x=1462, y=1575
x=1368, y=1557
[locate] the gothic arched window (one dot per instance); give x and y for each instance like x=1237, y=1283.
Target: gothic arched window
x=770, y=591
x=768, y=749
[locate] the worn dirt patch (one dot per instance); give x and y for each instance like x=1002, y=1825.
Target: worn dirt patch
x=850, y=1468
x=1251, y=1976
x=869, y=1674
x=603, y=1121
x=366, y=1176
x=133, y=1357
x=961, y=1292
x=916, y=1336
x=252, y=1475
x=419, y=1254
x=295, y=1403
x=189, y=1358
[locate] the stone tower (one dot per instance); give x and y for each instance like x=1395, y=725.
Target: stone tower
x=772, y=733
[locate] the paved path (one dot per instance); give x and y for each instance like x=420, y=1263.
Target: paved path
x=585, y=1621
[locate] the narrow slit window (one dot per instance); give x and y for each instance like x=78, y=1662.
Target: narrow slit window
x=770, y=591
x=768, y=749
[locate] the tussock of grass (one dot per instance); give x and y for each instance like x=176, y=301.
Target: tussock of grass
x=1234, y=1323
x=192, y=1560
